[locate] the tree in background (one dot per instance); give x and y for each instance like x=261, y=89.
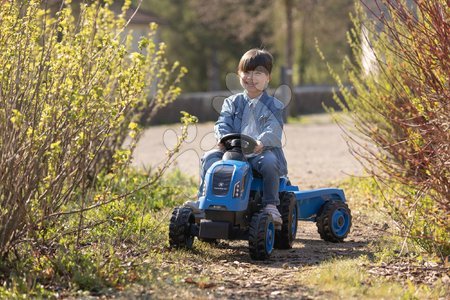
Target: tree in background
x=231, y=25
x=400, y=110
x=210, y=36
x=325, y=23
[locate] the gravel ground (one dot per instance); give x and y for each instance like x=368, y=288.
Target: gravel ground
x=317, y=157
x=315, y=150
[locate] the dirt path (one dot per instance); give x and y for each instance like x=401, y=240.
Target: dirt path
x=317, y=156
x=316, y=153
x=225, y=270
x=235, y=276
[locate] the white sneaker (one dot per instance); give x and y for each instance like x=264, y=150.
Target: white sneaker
x=276, y=216
x=194, y=205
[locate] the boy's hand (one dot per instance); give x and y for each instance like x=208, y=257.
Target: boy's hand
x=221, y=146
x=258, y=148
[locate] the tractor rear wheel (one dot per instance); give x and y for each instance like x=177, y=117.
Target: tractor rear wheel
x=261, y=236
x=180, y=235
x=284, y=238
x=334, y=221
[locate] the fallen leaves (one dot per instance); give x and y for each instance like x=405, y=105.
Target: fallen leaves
x=405, y=270
x=200, y=283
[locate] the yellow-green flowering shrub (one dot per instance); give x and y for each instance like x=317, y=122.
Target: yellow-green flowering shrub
x=70, y=93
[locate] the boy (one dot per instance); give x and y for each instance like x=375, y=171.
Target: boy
x=258, y=115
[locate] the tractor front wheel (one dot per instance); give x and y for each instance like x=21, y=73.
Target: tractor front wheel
x=180, y=235
x=334, y=221
x=261, y=236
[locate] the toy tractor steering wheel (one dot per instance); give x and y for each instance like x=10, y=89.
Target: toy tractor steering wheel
x=237, y=140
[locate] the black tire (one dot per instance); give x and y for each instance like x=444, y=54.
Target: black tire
x=261, y=236
x=284, y=238
x=180, y=228
x=334, y=221
x=208, y=240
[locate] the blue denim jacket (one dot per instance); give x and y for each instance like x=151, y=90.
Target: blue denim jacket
x=270, y=122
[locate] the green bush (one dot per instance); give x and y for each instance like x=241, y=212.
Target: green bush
x=70, y=93
x=400, y=113
x=121, y=242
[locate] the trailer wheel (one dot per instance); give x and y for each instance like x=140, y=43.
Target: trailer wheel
x=180, y=228
x=284, y=238
x=334, y=221
x=261, y=236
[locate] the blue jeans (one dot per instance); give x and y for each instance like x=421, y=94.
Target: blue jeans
x=265, y=163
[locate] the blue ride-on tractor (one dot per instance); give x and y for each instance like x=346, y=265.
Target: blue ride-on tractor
x=230, y=207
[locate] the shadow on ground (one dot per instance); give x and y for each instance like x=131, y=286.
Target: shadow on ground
x=308, y=250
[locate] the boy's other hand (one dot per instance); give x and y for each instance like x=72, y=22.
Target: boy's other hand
x=221, y=146
x=259, y=147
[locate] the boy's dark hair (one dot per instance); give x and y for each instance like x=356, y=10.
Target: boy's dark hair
x=255, y=58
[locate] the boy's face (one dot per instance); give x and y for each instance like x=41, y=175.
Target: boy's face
x=254, y=82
